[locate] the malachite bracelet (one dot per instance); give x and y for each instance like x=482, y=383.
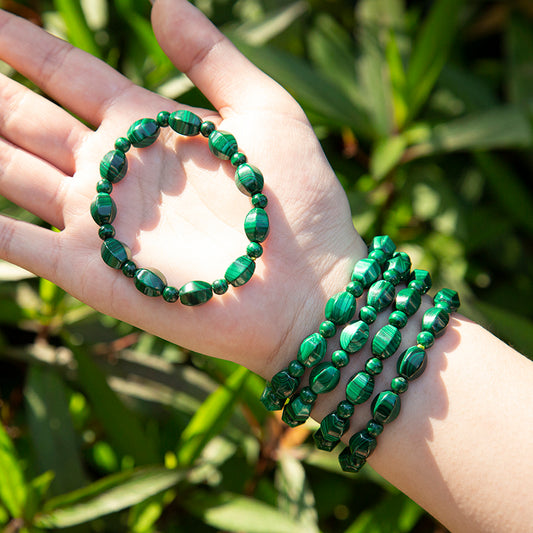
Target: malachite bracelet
x=411, y=364
x=339, y=310
x=248, y=178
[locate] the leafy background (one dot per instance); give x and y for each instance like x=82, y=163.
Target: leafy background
x=424, y=109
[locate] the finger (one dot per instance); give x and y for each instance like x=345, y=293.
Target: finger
x=77, y=80
x=32, y=184
x=38, y=126
x=211, y=61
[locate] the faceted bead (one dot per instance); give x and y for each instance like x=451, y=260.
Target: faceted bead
x=448, y=299
x=400, y=262
x=355, y=288
x=220, y=286
x=129, y=268
x=399, y=384
x=185, y=123
x=149, y=282
x=340, y=308
x=422, y=279
x=386, y=341
x=103, y=209
x=412, y=363
x=383, y=243
x=374, y=366
x=333, y=427
x=386, y=407
x=222, y=144
x=360, y=388
x=425, y=339
x=362, y=444
x=249, y=179
x=368, y=314
x=238, y=159
x=398, y=319
x=256, y=225
x=296, y=369
x=104, y=186
x=345, y=409
x=207, y=128
x=435, y=321
x=312, y=350
x=122, y=144
x=171, y=294
x=380, y=295
x=113, y=166
x=340, y=358
x=327, y=329
x=322, y=443
x=270, y=400
x=143, y=132
x=283, y=384
x=324, y=378
x=408, y=301
x=240, y=271
x=162, y=118
x=354, y=336
x=106, y=231
x=195, y=293
x=259, y=200
x=115, y=253
x=350, y=463
x=254, y=250
x=366, y=271
x=374, y=428
x=296, y=411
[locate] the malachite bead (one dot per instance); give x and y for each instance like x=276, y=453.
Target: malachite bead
x=103, y=209
x=368, y=314
x=340, y=358
x=362, y=444
x=324, y=378
x=327, y=329
x=340, y=308
x=448, y=299
x=115, y=253
x=366, y=271
x=238, y=159
x=249, y=179
x=386, y=407
x=425, y=339
x=113, y=166
x=333, y=427
x=240, y=271
x=254, y=250
x=420, y=280
x=349, y=463
x=355, y=288
x=359, y=388
x=149, y=282
x=380, y=295
x=207, y=128
x=378, y=255
x=222, y=144
x=184, y=122
x=408, y=301
x=400, y=262
x=399, y=384
x=106, y=231
x=220, y=286
x=296, y=369
x=143, y=132
x=435, y=321
x=283, y=384
x=392, y=277
x=296, y=411
x=129, y=268
x=195, y=293
x=312, y=350
x=386, y=341
x=256, y=225
x=412, y=363
x=345, y=409
x=383, y=243
x=122, y=144
x=374, y=366
x=270, y=400
x=104, y=186
x=374, y=428
x=354, y=336
x=259, y=200
x=322, y=443
x=398, y=319
x=171, y=294
x=162, y=118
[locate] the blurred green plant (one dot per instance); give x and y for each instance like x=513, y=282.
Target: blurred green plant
x=424, y=110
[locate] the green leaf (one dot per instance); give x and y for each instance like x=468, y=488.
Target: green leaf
x=519, y=44
x=387, y=153
x=13, y=492
x=210, y=418
x=108, y=495
x=430, y=51
x=398, y=81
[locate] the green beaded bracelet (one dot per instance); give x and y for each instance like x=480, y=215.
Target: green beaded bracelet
x=248, y=179
x=411, y=364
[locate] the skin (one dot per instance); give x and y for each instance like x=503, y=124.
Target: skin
x=460, y=446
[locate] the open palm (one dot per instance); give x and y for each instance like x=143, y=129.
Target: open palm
x=178, y=208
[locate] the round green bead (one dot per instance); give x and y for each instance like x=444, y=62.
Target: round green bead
x=398, y=319
x=171, y=294
x=327, y=329
x=374, y=366
x=359, y=388
x=113, y=166
x=143, y=132
x=307, y=395
x=240, y=271
x=435, y=321
x=249, y=179
x=296, y=369
x=425, y=339
x=104, y=186
x=379, y=255
x=412, y=363
x=115, y=253
x=254, y=250
x=368, y=314
x=129, y=268
x=103, y=209
x=408, y=301
x=340, y=308
x=386, y=407
x=345, y=409
x=122, y=144
x=220, y=286
x=207, y=128
x=222, y=144
x=386, y=341
x=195, y=293
x=256, y=225
x=392, y=277
x=184, y=122
x=324, y=378
x=106, y=231
x=312, y=350
x=259, y=200
x=238, y=159
x=374, y=428
x=149, y=282
x=399, y=384
x=355, y=288
x=354, y=336
x=339, y=358
x=162, y=119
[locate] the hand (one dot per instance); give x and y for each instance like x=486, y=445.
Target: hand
x=178, y=208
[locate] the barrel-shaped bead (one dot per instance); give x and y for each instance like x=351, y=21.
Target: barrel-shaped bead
x=184, y=122
x=324, y=378
x=400, y=262
x=408, y=301
x=448, y=299
x=354, y=336
x=366, y=271
x=332, y=428
x=143, y=132
x=256, y=225
x=271, y=401
x=195, y=293
x=249, y=179
x=222, y=144
x=435, y=321
x=283, y=384
x=386, y=341
x=113, y=166
x=340, y=308
x=362, y=444
x=312, y=350
x=386, y=407
x=240, y=271
x=360, y=388
x=103, y=209
x=383, y=243
x=149, y=282
x=412, y=363
x=298, y=409
x=115, y=253
x=380, y=294
x=322, y=443
x=349, y=462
